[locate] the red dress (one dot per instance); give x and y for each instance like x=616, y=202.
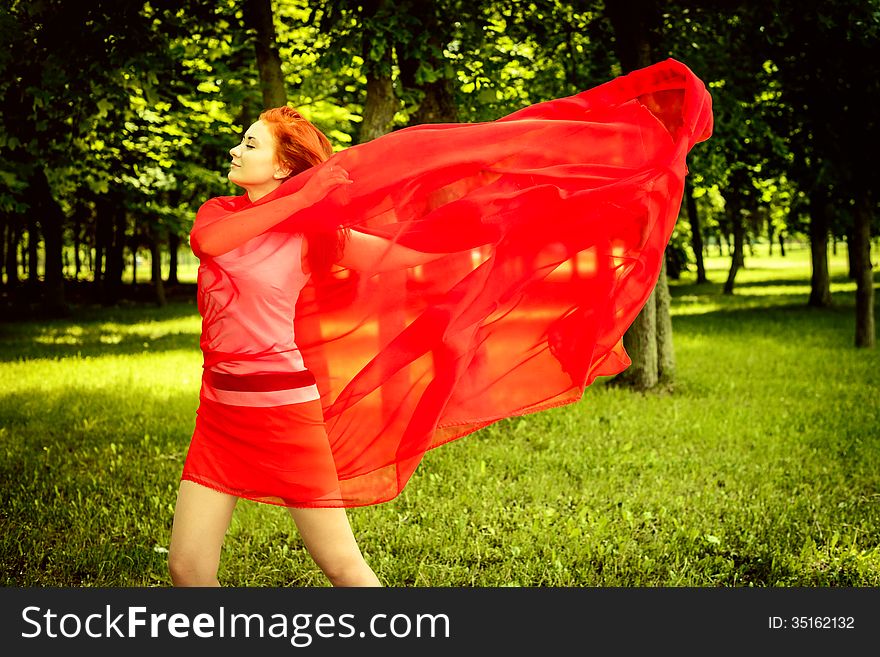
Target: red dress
x=550, y=226
x=259, y=429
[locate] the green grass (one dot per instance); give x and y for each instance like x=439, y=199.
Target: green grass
x=761, y=468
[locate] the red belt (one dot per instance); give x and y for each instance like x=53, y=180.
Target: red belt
x=259, y=382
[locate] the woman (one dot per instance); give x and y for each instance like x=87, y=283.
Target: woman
x=273, y=149
x=363, y=308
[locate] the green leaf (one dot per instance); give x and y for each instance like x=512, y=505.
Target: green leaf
x=104, y=107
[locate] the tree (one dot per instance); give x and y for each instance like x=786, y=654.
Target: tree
x=258, y=17
x=833, y=101
x=84, y=133
x=648, y=340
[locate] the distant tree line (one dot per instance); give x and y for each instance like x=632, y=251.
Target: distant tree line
x=117, y=115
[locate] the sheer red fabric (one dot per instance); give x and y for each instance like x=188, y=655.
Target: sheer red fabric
x=549, y=224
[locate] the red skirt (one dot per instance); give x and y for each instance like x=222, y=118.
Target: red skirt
x=276, y=455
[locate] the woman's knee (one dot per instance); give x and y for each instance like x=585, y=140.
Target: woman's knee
x=201, y=519
x=189, y=569
x=179, y=569
x=346, y=570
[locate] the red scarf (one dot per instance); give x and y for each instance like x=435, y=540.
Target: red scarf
x=555, y=220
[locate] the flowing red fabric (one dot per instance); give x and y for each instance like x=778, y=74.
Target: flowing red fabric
x=551, y=224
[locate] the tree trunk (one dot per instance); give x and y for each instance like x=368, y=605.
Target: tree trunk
x=820, y=285
x=769, y=236
x=438, y=97
x=665, y=346
x=637, y=27
x=640, y=342
x=380, y=104
x=173, y=248
x=77, y=228
x=52, y=219
x=381, y=101
x=7, y=245
x=156, y=269
x=258, y=16
x=103, y=240
x=865, y=330
x=11, y=255
x=16, y=293
x=52, y=223
x=782, y=243
x=438, y=104
x=740, y=249
x=115, y=253
x=33, y=243
x=696, y=231
x=734, y=216
x=5, y=226
x=852, y=267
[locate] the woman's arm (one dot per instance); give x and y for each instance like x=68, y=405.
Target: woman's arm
x=222, y=236
x=370, y=253
x=231, y=232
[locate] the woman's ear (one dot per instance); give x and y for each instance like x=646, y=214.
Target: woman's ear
x=281, y=172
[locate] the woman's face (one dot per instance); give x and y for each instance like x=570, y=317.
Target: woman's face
x=253, y=160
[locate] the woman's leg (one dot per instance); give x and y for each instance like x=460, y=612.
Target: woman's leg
x=329, y=539
x=201, y=518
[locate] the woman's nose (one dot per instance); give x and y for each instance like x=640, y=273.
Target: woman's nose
x=234, y=151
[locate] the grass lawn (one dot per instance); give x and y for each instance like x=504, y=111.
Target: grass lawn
x=761, y=468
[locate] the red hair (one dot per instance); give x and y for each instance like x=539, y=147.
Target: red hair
x=300, y=146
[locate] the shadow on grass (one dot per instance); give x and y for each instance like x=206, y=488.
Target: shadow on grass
x=750, y=314
x=125, y=312
x=788, y=324
x=100, y=332
x=95, y=342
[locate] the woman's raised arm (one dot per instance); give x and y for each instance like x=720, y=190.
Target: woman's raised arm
x=370, y=253
x=219, y=237
x=222, y=236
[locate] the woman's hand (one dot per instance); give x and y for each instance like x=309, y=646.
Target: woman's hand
x=325, y=180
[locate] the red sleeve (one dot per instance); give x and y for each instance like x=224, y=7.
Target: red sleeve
x=225, y=223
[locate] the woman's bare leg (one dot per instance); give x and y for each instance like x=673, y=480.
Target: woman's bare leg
x=329, y=539
x=201, y=519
